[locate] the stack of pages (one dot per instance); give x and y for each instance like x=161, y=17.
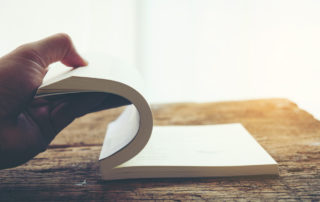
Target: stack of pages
x=134, y=148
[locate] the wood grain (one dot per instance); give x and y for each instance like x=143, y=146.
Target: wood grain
x=68, y=170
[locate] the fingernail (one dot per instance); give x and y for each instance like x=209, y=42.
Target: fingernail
x=85, y=62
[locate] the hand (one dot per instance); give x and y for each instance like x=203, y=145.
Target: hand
x=28, y=125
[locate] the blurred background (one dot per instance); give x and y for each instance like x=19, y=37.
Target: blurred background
x=189, y=50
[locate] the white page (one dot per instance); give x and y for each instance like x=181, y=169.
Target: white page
x=109, y=75
x=120, y=132
x=208, y=145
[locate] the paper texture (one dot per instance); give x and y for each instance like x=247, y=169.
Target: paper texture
x=209, y=145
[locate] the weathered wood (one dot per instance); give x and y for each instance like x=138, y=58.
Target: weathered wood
x=68, y=170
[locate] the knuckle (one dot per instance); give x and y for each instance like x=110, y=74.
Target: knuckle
x=65, y=38
x=28, y=52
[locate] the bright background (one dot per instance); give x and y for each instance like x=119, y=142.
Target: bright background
x=189, y=50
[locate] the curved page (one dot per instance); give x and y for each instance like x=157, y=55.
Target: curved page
x=128, y=134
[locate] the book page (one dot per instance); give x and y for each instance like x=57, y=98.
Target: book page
x=207, y=145
x=128, y=134
x=100, y=67
x=120, y=132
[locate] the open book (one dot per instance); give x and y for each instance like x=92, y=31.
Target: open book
x=134, y=148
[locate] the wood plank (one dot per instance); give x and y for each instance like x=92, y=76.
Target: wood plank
x=289, y=134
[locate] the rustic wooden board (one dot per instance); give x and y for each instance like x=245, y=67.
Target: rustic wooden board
x=68, y=170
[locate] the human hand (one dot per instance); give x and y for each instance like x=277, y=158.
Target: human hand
x=28, y=125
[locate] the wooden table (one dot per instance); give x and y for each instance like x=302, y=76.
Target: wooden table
x=68, y=170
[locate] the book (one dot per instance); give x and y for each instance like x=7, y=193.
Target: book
x=134, y=148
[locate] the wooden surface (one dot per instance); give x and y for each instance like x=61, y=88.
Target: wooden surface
x=68, y=170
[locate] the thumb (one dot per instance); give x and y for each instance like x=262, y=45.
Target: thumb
x=58, y=47
x=22, y=70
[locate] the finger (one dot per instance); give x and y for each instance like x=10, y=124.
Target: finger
x=55, y=48
x=76, y=105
